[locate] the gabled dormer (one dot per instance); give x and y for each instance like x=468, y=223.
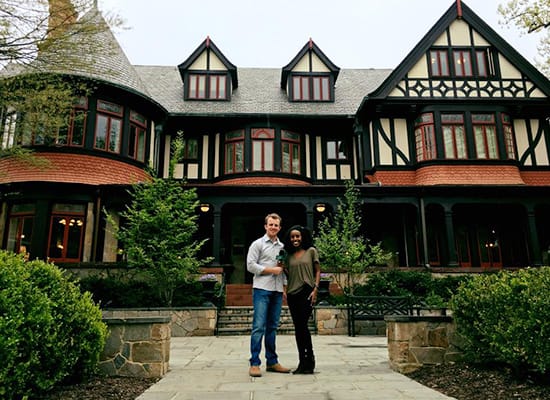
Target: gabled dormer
x=207, y=74
x=310, y=76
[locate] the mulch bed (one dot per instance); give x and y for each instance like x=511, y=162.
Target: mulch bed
x=103, y=388
x=461, y=381
x=474, y=382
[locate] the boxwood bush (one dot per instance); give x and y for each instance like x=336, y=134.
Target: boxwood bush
x=421, y=286
x=505, y=317
x=50, y=332
x=116, y=292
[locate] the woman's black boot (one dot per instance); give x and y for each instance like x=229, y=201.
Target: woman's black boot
x=307, y=365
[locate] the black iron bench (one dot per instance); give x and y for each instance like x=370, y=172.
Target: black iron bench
x=368, y=308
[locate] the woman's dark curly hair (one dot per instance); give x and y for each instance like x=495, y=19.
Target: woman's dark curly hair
x=307, y=239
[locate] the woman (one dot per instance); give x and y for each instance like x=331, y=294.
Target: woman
x=304, y=272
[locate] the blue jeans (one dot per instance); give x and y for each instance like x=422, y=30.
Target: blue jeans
x=267, y=310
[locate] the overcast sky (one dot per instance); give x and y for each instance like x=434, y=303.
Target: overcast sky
x=259, y=33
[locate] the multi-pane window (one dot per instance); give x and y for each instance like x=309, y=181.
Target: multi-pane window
x=8, y=131
x=190, y=149
x=138, y=134
x=217, y=86
x=465, y=62
x=462, y=63
x=439, y=63
x=73, y=134
x=454, y=138
x=66, y=232
x=108, y=128
x=509, y=142
x=311, y=88
x=262, y=149
x=20, y=228
x=290, y=149
x=425, y=137
x=234, y=152
x=207, y=86
x=485, y=136
x=337, y=150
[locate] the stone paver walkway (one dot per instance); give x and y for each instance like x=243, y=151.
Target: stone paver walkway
x=348, y=368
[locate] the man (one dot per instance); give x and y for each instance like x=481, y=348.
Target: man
x=267, y=296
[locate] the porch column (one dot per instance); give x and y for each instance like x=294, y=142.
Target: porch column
x=424, y=234
x=309, y=219
x=216, y=240
x=533, y=237
x=450, y=231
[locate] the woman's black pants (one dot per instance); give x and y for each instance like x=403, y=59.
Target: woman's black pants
x=300, y=309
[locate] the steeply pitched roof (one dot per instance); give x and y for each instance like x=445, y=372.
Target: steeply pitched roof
x=208, y=45
x=459, y=10
x=310, y=46
x=259, y=92
x=99, y=56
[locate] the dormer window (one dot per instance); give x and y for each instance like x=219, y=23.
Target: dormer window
x=206, y=86
x=311, y=88
x=462, y=62
x=207, y=74
x=310, y=76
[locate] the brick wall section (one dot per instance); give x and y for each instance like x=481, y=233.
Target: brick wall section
x=71, y=168
x=263, y=180
x=454, y=175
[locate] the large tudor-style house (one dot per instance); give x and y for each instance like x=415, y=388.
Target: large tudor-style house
x=450, y=152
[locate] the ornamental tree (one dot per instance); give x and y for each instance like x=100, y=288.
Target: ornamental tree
x=159, y=236
x=342, y=247
x=532, y=16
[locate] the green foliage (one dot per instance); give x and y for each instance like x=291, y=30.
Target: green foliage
x=421, y=286
x=159, y=236
x=44, y=103
x=341, y=246
x=505, y=317
x=50, y=332
x=531, y=16
x=117, y=293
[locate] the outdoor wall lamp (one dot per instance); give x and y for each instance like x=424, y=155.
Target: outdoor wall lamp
x=204, y=208
x=320, y=208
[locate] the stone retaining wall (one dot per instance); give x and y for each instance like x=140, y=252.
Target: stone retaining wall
x=189, y=321
x=331, y=320
x=137, y=347
x=417, y=340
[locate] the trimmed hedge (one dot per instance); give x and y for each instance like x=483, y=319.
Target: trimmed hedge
x=49, y=331
x=505, y=317
x=112, y=292
x=419, y=285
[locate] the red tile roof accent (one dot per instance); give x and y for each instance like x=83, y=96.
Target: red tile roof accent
x=263, y=180
x=451, y=175
x=536, y=178
x=71, y=168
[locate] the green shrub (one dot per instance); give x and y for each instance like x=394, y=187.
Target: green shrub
x=505, y=317
x=421, y=286
x=49, y=331
x=111, y=292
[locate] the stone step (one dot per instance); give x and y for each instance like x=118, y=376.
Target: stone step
x=238, y=321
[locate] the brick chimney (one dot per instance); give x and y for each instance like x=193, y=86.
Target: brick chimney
x=62, y=15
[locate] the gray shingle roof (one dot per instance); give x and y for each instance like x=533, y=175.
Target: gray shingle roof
x=259, y=92
x=96, y=55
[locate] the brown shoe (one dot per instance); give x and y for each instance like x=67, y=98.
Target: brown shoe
x=278, y=368
x=255, y=371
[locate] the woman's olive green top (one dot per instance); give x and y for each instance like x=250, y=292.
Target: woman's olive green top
x=301, y=270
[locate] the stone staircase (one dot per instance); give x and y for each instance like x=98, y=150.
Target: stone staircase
x=237, y=320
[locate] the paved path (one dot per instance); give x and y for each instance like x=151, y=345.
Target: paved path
x=348, y=368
